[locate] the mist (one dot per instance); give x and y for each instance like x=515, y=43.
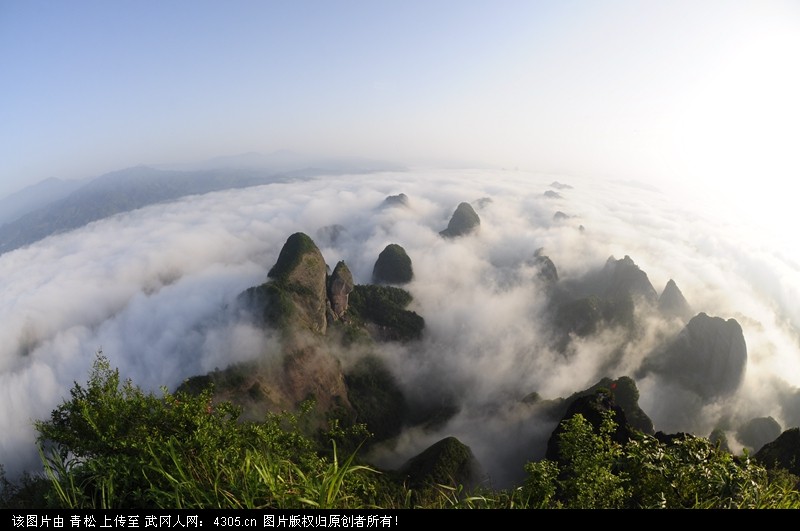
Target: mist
x=151, y=289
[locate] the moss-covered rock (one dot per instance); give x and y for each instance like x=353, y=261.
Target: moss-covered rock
x=393, y=266
x=384, y=307
x=295, y=297
x=297, y=246
x=447, y=462
x=464, y=221
x=377, y=400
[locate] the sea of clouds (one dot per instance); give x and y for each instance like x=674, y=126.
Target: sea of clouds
x=150, y=288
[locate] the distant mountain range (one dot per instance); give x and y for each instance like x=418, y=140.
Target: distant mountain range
x=53, y=206
x=35, y=197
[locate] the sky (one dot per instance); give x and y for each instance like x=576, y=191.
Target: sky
x=677, y=122
x=684, y=92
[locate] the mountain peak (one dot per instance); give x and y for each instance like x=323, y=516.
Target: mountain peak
x=673, y=303
x=624, y=278
x=464, y=221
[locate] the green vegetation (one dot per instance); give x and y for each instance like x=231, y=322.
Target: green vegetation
x=113, y=446
x=273, y=300
x=385, y=307
x=110, y=445
x=463, y=222
x=625, y=395
x=297, y=245
x=377, y=400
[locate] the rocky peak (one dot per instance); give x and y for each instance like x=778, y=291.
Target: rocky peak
x=783, y=452
x=300, y=277
x=463, y=222
x=393, y=266
x=672, y=302
x=546, y=269
x=447, y=462
x=592, y=408
x=709, y=357
x=624, y=278
x=399, y=200
x=340, y=285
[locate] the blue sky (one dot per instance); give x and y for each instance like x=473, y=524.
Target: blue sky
x=684, y=91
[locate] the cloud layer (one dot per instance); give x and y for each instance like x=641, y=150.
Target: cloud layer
x=150, y=289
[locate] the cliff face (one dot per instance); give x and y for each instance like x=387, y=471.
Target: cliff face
x=708, y=357
x=340, y=285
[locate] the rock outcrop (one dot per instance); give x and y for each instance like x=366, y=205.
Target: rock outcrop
x=299, y=278
x=295, y=301
x=316, y=316
x=672, y=303
x=592, y=407
x=399, y=200
x=464, y=221
x=623, y=391
x=447, y=462
x=340, y=285
x=382, y=309
x=783, y=452
x=620, y=278
x=376, y=398
x=708, y=357
x=586, y=316
x=393, y=266
x=546, y=269
x=312, y=371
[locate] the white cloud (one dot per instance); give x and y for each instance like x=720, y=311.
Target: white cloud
x=150, y=288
